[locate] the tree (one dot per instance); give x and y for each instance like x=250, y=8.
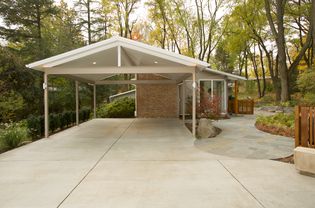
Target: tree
x=278, y=32
x=62, y=31
x=89, y=19
x=124, y=9
x=17, y=82
x=24, y=24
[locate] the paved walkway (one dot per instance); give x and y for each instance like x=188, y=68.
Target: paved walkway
x=142, y=163
x=240, y=138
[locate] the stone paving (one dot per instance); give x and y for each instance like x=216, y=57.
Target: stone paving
x=240, y=138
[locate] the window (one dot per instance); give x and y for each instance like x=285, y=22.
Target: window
x=210, y=89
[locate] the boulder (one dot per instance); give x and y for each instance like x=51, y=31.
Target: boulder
x=206, y=129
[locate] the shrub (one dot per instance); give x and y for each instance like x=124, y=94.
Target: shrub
x=56, y=122
x=84, y=114
x=306, y=85
x=209, y=108
x=121, y=108
x=278, y=120
x=13, y=135
x=34, y=125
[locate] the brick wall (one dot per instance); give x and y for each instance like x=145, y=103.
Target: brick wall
x=156, y=100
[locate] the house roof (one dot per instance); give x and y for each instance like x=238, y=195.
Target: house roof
x=117, y=55
x=111, y=43
x=228, y=75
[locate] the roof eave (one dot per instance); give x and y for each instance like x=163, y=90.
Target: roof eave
x=229, y=75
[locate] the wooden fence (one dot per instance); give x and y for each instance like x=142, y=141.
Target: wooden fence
x=241, y=106
x=305, y=126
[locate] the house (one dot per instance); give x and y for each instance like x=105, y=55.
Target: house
x=164, y=80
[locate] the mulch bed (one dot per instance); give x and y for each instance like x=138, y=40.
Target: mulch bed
x=275, y=130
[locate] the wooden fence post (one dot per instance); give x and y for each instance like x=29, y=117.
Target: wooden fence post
x=312, y=127
x=297, y=126
x=304, y=130
x=236, y=96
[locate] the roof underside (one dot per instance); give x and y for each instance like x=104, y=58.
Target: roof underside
x=97, y=62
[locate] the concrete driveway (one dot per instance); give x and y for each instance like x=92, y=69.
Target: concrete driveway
x=142, y=163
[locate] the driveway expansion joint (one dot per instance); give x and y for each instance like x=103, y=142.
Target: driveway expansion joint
x=259, y=202
x=97, y=162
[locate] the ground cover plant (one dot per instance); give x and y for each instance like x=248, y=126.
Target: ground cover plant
x=279, y=124
x=13, y=135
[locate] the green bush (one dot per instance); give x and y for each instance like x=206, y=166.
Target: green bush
x=84, y=114
x=13, y=135
x=56, y=122
x=278, y=120
x=121, y=108
x=306, y=85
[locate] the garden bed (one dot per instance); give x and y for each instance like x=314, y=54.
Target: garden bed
x=276, y=130
x=278, y=124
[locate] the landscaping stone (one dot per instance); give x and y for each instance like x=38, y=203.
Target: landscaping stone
x=206, y=129
x=277, y=109
x=304, y=159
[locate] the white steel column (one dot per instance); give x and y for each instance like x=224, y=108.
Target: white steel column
x=194, y=87
x=183, y=100
x=94, y=100
x=77, y=102
x=119, y=56
x=46, y=109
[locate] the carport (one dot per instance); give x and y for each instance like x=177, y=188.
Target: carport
x=95, y=63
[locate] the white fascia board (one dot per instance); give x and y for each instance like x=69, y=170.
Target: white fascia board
x=230, y=76
x=159, y=52
x=37, y=64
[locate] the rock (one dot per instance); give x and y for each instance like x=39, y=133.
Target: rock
x=288, y=109
x=206, y=129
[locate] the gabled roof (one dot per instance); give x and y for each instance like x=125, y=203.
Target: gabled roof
x=91, y=62
x=229, y=75
x=112, y=43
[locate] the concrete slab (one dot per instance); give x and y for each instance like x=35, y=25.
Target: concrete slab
x=142, y=163
x=159, y=184
x=274, y=184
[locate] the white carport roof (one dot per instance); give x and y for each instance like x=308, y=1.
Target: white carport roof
x=96, y=62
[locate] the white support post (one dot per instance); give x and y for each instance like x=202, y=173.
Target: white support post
x=183, y=101
x=77, y=102
x=46, y=105
x=119, y=56
x=194, y=104
x=94, y=100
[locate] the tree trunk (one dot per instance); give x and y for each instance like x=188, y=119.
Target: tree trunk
x=263, y=71
x=89, y=21
x=280, y=41
x=283, y=68
x=39, y=31
x=253, y=59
